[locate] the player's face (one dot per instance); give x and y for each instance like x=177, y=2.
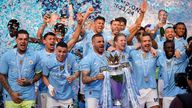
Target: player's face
x=99, y=25
x=115, y=27
x=49, y=42
x=169, y=34
x=98, y=44
x=122, y=26
x=61, y=53
x=180, y=30
x=121, y=43
x=146, y=43
x=163, y=16
x=169, y=50
x=22, y=42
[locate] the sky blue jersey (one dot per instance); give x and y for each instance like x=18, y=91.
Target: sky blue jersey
x=93, y=63
x=17, y=66
x=143, y=66
x=57, y=72
x=168, y=68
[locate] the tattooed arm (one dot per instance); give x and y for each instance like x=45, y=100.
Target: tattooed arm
x=88, y=79
x=14, y=95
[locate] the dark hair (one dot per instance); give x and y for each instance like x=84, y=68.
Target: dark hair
x=63, y=16
x=189, y=39
x=116, y=19
x=22, y=31
x=168, y=41
x=11, y=22
x=119, y=35
x=59, y=27
x=96, y=35
x=50, y=34
x=122, y=19
x=99, y=18
x=138, y=32
x=163, y=11
x=146, y=34
x=62, y=44
x=169, y=28
x=181, y=23
x=141, y=28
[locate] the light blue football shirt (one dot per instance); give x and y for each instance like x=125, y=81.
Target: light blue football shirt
x=93, y=63
x=168, y=68
x=57, y=72
x=17, y=66
x=143, y=67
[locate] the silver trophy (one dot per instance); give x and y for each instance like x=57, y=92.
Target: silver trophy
x=117, y=78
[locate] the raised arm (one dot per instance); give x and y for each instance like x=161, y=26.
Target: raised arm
x=46, y=20
x=131, y=36
x=76, y=33
x=139, y=20
x=88, y=13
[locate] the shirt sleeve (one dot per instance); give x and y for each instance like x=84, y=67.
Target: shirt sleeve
x=38, y=67
x=45, y=69
x=84, y=65
x=75, y=67
x=3, y=64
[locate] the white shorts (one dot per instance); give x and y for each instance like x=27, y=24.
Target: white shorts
x=92, y=103
x=167, y=101
x=160, y=88
x=42, y=100
x=148, y=97
x=52, y=103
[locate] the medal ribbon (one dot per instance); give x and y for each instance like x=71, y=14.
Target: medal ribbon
x=20, y=63
x=146, y=68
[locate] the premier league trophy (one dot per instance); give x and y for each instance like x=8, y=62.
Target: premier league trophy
x=118, y=86
x=116, y=78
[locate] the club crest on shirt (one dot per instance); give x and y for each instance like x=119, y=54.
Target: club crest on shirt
x=68, y=66
x=61, y=67
x=30, y=62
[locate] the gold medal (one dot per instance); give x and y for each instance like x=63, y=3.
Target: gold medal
x=146, y=79
x=21, y=62
x=61, y=67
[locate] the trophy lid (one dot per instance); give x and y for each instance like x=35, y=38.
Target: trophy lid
x=113, y=59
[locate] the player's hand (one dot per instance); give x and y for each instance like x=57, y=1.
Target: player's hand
x=100, y=76
x=51, y=90
x=144, y=6
x=24, y=82
x=111, y=49
x=90, y=10
x=80, y=18
x=16, y=97
x=177, y=54
x=154, y=52
x=71, y=78
x=47, y=18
